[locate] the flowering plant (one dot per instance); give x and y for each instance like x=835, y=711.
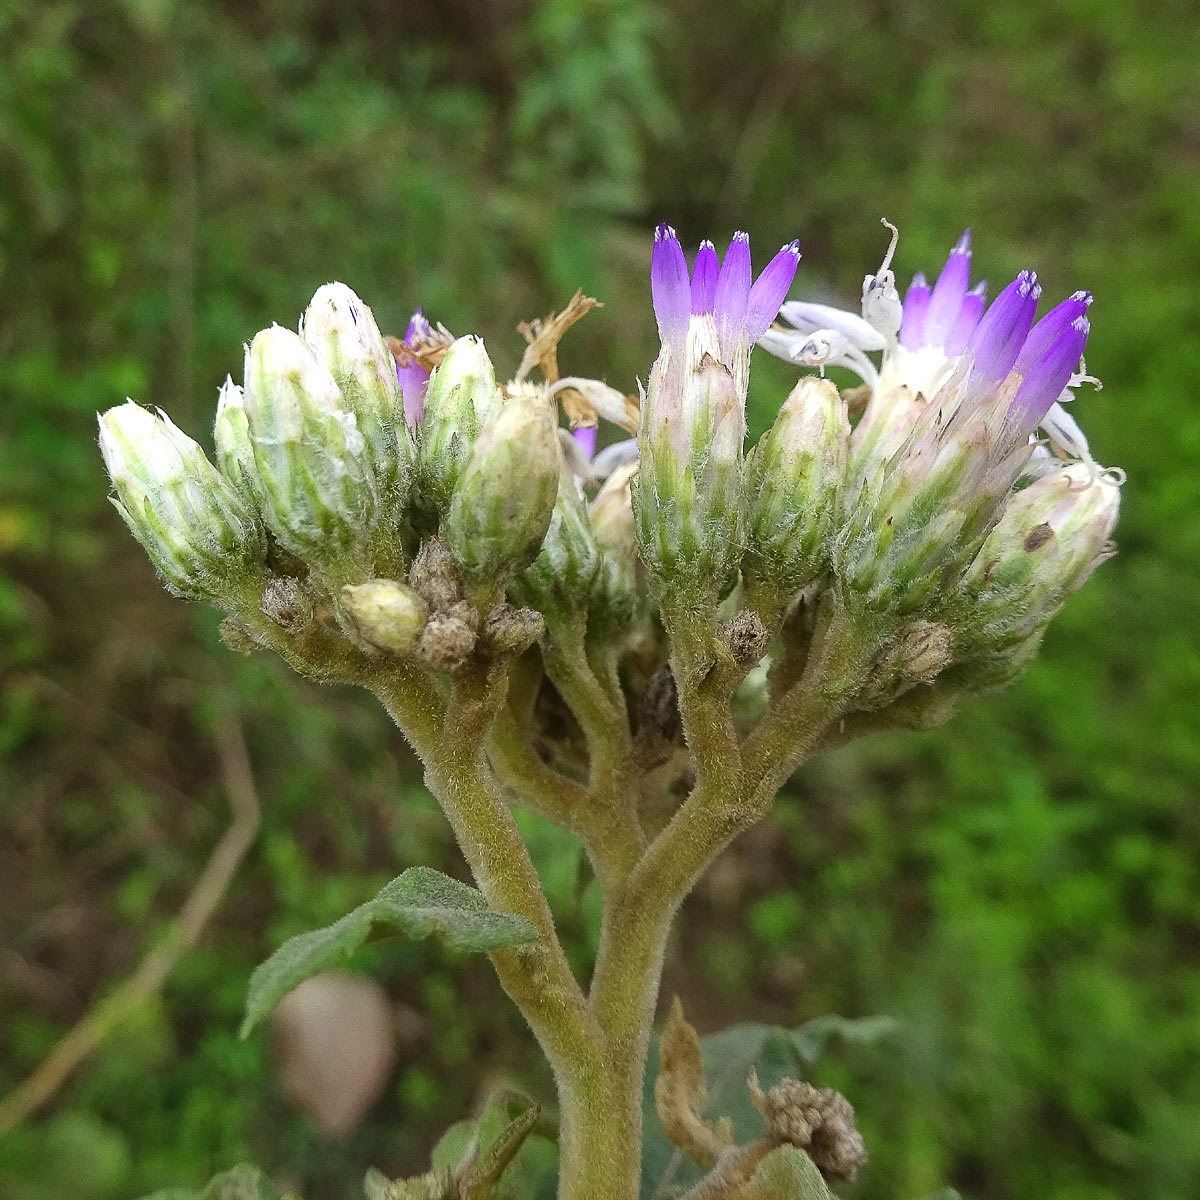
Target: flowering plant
x=640, y=643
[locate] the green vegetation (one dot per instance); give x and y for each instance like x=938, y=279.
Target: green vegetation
x=1020, y=890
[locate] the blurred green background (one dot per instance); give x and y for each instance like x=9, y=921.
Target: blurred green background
x=1020, y=889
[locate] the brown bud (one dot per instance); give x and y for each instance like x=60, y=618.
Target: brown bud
x=747, y=638
x=286, y=602
x=434, y=577
x=819, y=1120
x=509, y=630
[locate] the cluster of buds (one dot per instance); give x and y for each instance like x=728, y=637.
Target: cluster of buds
x=346, y=460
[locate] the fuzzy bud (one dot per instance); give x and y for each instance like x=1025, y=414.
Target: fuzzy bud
x=388, y=616
x=819, y=1120
x=796, y=474
x=620, y=580
x=461, y=398
x=341, y=331
x=198, y=531
x=1052, y=536
x=313, y=481
x=687, y=495
x=503, y=501
x=562, y=575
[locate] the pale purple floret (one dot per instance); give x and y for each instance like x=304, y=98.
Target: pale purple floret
x=412, y=376
x=968, y=318
x=945, y=315
x=1002, y=331
x=916, y=304
x=585, y=438
x=670, y=288
x=741, y=307
x=704, y=278
x=946, y=299
x=1046, y=377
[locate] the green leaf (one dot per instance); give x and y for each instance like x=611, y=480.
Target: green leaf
x=240, y=1183
x=786, y=1174
x=774, y=1052
x=419, y=903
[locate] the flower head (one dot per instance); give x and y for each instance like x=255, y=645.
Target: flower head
x=412, y=376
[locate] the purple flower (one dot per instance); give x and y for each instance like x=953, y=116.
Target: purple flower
x=412, y=376
x=944, y=316
x=741, y=307
x=585, y=436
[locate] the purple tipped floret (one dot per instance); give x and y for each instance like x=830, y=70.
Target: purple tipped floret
x=916, y=305
x=733, y=290
x=412, y=377
x=1047, y=331
x=946, y=299
x=770, y=290
x=1002, y=330
x=1047, y=377
x=968, y=318
x=585, y=438
x=704, y=278
x=670, y=288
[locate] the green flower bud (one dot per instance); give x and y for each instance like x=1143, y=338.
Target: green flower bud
x=313, y=477
x=1050, y=539
x=795, y=474
x=620, y=583
x=562, y=575
x=200, y=534
x=687, y=495
x=231, y=432
x=388, y=616
x=503, y=501
x=462, y=396
x=341, y=331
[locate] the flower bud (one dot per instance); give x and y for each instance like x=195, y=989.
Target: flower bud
x=1050, y=539
x=313, y=479
x=687, y=496
x=200, y=534
x=461, y=397
x=341, y=331
x=231, y=432
x=795, y=475
x=388, y=616
x=502, y=504
x=620, y=581
x=560, y=579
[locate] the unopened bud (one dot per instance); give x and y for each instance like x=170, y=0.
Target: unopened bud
x=509, y=630
x=561, y=577
x=231, y=433
x=387, y=615
x=198, y=531
x=504, y=498
x=620, y=582
x=461, y=398
x=917, y=654
x=1050, y=539
x=796, y=474
x=287, y=602
x=687, y=495
x=314, y=479
x=341, y=331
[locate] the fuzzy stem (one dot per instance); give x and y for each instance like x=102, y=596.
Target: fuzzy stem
x=537, y=977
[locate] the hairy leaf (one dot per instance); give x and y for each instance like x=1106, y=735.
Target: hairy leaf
x=419, y=903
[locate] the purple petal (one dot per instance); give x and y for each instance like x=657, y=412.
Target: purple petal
x=968, y=318
x=916, y=304
x=733, y=290
x=1047, y=377
x=1046, y=332
x=585, y=438
x=946, y=300
x=1002, y=330
x=770, y=289
x=418, y=329
x=413, y=380
x=669, y=286
x=704, y=278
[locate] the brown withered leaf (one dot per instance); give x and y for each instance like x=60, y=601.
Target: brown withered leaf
x=680, y=1092
x=544, y=333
